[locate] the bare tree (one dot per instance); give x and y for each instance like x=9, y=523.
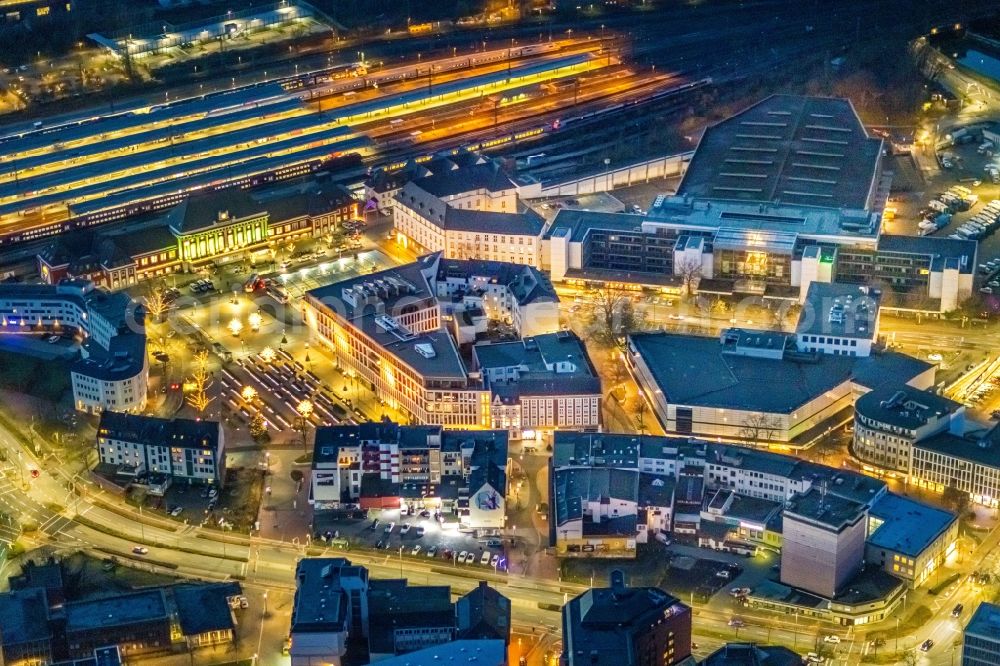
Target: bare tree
x=759, y=428
x=156, y=302
x=613, y=316
x=202, y=380
x=689, y=270
x=785, y=313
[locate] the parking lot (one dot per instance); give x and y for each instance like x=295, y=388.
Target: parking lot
x=422, y=535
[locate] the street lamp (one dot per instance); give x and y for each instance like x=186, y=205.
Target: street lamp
x=267, y=355
x=305, y=410
x=235, y=327
x=255, y=320
x=249, y=393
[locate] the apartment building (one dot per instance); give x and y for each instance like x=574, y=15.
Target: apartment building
x=621, y=625
x=171, y=450
x=388, y=466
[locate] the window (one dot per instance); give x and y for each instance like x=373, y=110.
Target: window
x=42, y=11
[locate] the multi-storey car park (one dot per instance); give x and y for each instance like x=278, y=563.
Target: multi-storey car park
x=107, y=167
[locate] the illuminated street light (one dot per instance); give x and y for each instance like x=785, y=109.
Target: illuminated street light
x=267, y=355
x=235, y=327
x=255, y=320
x=249, y=393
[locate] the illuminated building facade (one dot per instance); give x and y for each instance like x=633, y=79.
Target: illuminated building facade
x=113, y=369
x=205, y=228
x=398, y=332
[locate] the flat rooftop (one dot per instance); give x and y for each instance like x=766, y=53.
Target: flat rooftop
x=826, y=509
x=982, y=448
x=908, y=527
x=904, y=406
x=985, y=622
x=800, y=151
x=841, y=310
x=116, y=611
x=700, y=371
x=371, y=303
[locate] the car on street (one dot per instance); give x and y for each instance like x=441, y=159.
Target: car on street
x=140, y=550
x=926, y=645
x=835, y=640
x=736, y=622
x=957, y=610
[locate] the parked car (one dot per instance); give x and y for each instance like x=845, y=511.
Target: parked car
x=416, y=550
x=462, y=556
x=432, y=551
x=835, y=640
x=485, y=559
x=405, y=529
x=140, y=550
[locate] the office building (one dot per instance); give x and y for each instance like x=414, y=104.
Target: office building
x=388, y=466
x=473, y=212
x=781, y=195
x=33, y=13
x=757, y=387
x=112, y=369
x=981, y=638
x=384, y=183
x=839, y=319
x=540, y=384
x=969, y=463
x=823, y=542
x=158, y=452
x=621, y=625
x=890, y=420
x=909, y=539
x=404, y=333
